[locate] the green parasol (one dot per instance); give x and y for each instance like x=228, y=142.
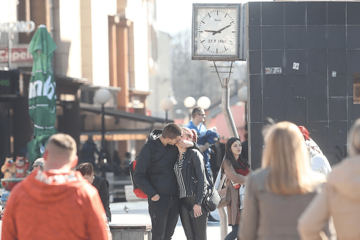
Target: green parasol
x=42, y=92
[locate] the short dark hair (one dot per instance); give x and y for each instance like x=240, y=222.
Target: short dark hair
x=172, y=131
x=195, y=111
x=85, y=168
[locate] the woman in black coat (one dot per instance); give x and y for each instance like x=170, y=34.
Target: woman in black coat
x=190, y=174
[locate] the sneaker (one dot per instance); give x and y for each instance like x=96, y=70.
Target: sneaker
x=212, y=219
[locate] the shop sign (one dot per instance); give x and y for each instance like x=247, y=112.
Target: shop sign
x=21, y=26
x=18, y=55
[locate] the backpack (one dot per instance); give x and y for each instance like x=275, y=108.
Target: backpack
x=137, y=191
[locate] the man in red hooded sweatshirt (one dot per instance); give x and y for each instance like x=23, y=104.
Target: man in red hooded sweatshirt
x=59, y=200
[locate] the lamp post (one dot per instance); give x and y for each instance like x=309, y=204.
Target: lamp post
x=102, y=96
x=243, y=96
x=166, y=104
x=189, y=103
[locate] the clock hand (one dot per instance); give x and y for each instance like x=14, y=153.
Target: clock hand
x=209, y=31
x=219, y=31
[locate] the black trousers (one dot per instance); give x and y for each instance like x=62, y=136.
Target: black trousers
x=164, y=215
x=194, y=228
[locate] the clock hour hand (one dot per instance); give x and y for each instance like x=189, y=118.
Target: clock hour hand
x=219, y=31
x=209, y=31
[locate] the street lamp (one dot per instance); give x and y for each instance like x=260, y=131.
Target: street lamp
x=204, y=102
x=166, y=104
x=189, y=103
x=243, y=97
x=102, y=96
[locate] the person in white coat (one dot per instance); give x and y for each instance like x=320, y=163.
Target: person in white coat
x=318, y=161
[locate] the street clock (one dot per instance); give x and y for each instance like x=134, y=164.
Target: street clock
x=216, y=32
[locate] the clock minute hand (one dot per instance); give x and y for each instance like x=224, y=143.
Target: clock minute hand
x=219, y=31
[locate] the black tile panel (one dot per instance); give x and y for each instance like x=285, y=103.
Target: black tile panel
x=353, y=9
x=350, y=83
x=355, y=111
x=316, y=37
x=256, y=157
x=337, y=136
x=317, y=86
x=318, y=109
x=317, y=61
x=296, y=110
x=295, y=13
x=336, y=13
x=256, y=110
x=254, y=38
x=353, y=61
x=295, y=37
x=338, y=85
x=272, y=13
x=255, y=87
x=316, y=13
x=350, y=110
x=295, y=61
x=254, y=62
x=274, y=86
x=337, y=37
x=337, y=109
x=296, y=85
x=273, y=58
x=272, y=37
x=274, y=108
x=256, y=134
x=254, y=13
x=353, y=37
x=337, y=61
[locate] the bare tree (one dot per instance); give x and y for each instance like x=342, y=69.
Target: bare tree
x=194, y=78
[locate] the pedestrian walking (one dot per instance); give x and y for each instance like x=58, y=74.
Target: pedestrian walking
x=88, y=152
x=191, y=178
x=197, y=123
x=101, y=185
x=59, y=201
x=339, y=199
x=278, y=193
x=154, y=175
x=235, y=169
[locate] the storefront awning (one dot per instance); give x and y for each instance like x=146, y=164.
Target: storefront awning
x=119, y=125
x=125, y=115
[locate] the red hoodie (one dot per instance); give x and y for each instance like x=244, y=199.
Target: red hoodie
x=53, y=206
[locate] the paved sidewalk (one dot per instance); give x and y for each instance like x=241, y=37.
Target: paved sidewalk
x=138, y=214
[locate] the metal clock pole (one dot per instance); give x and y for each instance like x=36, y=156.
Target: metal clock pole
x=216, y=35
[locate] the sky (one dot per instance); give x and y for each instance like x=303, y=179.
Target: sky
x=174, y=16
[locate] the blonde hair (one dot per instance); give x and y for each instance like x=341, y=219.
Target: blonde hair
x=354, y=139
x=287, y=158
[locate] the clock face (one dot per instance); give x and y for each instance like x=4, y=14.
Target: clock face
x=216, y=31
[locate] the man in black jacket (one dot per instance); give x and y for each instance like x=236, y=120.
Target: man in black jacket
x=154, y=175
x=87, y=170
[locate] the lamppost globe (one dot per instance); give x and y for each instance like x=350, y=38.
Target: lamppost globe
x=204, y=102
x=189, y=102
x=242, y=94
x=102, y=95
x=166, y=104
